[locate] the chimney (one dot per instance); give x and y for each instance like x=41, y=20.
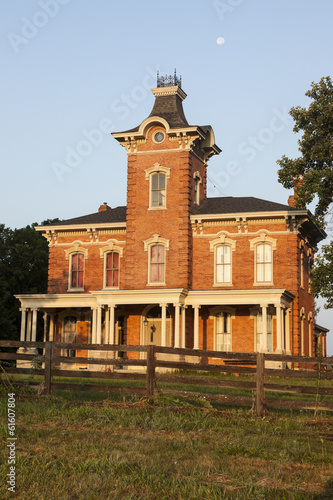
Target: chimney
x=298, y=181
x=104, y=207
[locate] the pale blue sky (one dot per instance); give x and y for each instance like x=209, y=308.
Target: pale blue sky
x=70, y=67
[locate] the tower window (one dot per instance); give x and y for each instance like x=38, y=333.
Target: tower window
x=157, y=264
x=158, y=198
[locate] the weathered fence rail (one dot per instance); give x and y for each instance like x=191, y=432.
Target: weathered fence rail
x=249, y=363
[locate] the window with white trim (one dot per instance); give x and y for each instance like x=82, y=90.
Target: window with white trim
x=76, y=256
x=222, y=264
x=111, y=269
x=264, y=263
x=156, y=247
x=259, y=331
x=76, y=271
x=157, y=176
x=157, y=263
x=158, y=191
x=223, y=331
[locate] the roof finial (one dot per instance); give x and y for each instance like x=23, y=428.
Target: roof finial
x=168, y=80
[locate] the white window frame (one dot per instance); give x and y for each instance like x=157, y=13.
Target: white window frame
x=157, y=169
x=263, y=239
x=111, y=247
x=156, y=240
x=76, y=249
x=223, y=241
x=214, y=313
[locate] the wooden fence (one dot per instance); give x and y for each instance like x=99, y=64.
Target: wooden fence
x=236, y=363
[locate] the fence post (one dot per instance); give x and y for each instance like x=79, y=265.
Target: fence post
x=48, y=367
x=260, y=384
x=150, y=370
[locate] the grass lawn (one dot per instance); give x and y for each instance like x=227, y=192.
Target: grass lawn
x=94, y=446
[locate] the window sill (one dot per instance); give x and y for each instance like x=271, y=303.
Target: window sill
x=263, y=283
x=110, y=288
x=157, y=208
x=222, y=285
x=156, y=284
x=75, y=290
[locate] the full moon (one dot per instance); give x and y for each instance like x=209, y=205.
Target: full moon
x=220, y=41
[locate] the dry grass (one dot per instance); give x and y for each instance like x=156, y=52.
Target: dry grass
x=173, y=449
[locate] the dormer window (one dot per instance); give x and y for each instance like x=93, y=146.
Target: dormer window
x=157, y=176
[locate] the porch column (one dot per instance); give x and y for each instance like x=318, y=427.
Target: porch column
x=93, y=325
x=264, y=327
x=28, y=337
x=288, y=351
x=34, y=325
x=283, y=330
x=45, y=318
x=163, y=326
x=99, y=325
x=107, y=325
x=278, y=329
x=196, y=327
x=23, y=322
x=177, y=339
x=183, y=325
x=111, y=336
x=51, y=328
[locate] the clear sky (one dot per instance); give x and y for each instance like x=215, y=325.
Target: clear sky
x=75, y=70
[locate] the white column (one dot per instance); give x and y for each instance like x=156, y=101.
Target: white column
x=183, y=326
x=264, y=345
x=177, y=339
x=23, y=322
x=283, y=330
x=107, y=325
x=51, y=328
x=93, y=325
x=163, y=326
x=111, y=337
x=278, y=329
x=99, y=326
x=196, y=327
x=28, y=336
x=288, y=351
x=310, y=337
x=34, y=325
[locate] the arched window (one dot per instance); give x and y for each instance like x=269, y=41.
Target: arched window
x=77, y=270
x=264, y=263
x=263, y=247
x=158, y=191
x=112, y=269
x=222, y=264
x=157, y=264
x=157, y=176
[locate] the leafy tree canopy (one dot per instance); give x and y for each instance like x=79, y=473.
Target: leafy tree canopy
x=315, y=165
x=314, y=168
x=23, y=269
x=322, y=275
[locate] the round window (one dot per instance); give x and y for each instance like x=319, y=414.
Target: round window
x=159, y=136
